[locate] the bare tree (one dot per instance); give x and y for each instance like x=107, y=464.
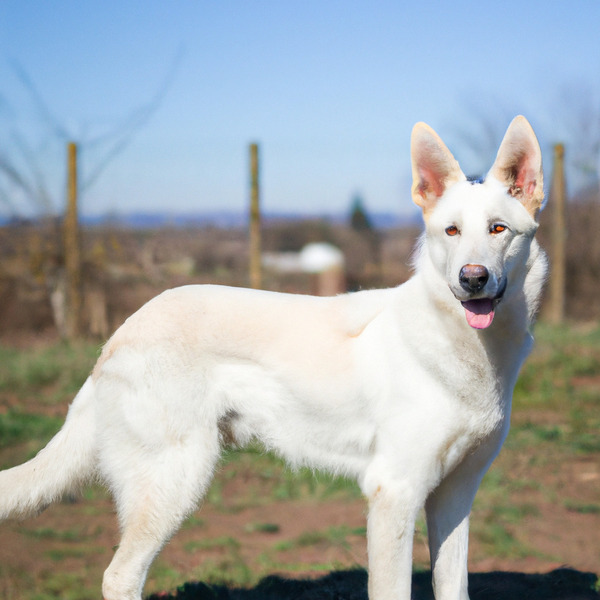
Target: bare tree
x=24, y=176
x=570, y=117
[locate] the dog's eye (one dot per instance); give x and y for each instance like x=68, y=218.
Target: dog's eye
x=452, y=230
x=497, y=228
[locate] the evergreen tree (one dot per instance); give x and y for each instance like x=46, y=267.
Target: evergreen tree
x=359, y=220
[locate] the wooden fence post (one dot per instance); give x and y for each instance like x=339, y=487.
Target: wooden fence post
x=556, y=309
x=72, y=250
x=255, y=234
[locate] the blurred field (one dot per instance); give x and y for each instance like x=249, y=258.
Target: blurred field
x=123, y=268
x=538, y=508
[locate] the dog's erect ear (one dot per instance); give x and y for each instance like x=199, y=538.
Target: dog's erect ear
x=433, y=167
x=519, y=165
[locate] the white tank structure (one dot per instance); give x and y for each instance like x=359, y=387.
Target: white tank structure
x=327, y=264
x=323, y=261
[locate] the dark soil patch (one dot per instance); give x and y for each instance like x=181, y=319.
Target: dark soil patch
x=560, y=584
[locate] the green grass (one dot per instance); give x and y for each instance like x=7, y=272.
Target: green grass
x=224, y=564
x=262, y=528
x=563, y=376
x=78, y=551
x=582, y=508
x=17, y=427
x=556, y=418
x=33, y=381
x=224, y=542
x=53, y=374
x=193, y=521
x=561, y=355
x=333, y=536
x=67, y=586
x=74, y=534
x=268, y=479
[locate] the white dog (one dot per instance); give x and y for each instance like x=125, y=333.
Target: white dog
x=407, y=389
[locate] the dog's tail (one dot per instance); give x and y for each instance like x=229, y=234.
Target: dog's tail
x=63, y=466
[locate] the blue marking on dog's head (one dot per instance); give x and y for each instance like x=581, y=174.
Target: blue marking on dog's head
x=476, y=179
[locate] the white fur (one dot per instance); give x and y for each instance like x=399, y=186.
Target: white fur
x=391, y=387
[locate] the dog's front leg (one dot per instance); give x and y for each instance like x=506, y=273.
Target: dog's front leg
x=390, y=530
x=448, y=509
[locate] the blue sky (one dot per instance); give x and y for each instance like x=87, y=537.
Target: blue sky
x=330, y=90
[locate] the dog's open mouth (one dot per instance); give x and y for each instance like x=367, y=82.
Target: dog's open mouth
x=479, y=313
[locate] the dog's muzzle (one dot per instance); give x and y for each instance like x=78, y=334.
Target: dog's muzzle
x=479, y=312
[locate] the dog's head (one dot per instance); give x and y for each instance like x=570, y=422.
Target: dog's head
x=479, y=233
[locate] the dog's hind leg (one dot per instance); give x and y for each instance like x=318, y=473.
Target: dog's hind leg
x=154, y=494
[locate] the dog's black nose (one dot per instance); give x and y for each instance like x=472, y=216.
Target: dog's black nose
x=473, y=278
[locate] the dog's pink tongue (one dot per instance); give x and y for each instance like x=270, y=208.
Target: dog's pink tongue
x=479, y=313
